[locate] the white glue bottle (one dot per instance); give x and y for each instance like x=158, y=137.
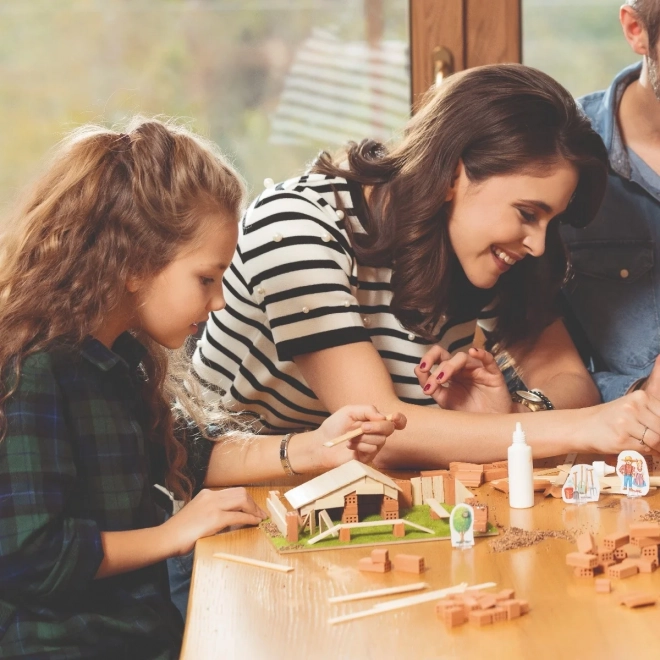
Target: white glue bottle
x=521, y=472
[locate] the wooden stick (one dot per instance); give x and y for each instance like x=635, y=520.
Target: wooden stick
x=410, y=600
x=374, y=593
x=350, y=435
x=344, y=438
x=253, y=562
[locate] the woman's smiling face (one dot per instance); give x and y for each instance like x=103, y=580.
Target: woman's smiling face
x=496, y=223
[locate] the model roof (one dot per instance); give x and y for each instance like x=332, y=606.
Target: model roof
x=333, y=480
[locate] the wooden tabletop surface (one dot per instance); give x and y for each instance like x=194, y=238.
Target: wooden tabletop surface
x=239, y=611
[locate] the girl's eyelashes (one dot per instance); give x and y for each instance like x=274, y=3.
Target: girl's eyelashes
x=527, y=216
x=206, y=280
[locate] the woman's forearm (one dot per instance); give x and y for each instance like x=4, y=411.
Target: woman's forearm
x=434, y=437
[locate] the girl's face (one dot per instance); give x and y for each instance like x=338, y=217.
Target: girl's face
x=495, y=224
x=183, y=294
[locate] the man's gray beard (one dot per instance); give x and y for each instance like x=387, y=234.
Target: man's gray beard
x=654, y=75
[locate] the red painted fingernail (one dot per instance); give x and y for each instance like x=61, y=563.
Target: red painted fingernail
x=440, y=375
x=427, y=388
x=423, y=365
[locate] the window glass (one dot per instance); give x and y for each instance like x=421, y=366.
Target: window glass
x=578, y=43
x=271, y=82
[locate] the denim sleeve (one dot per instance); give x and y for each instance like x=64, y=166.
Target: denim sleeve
x=613, y=386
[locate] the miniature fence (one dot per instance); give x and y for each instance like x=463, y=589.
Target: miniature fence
x=372, y=523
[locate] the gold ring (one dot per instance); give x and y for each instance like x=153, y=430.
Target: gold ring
x=641, y=441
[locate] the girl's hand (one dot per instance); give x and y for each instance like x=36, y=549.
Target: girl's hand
x=364, y=447
x=208, y=513
x=471, y=382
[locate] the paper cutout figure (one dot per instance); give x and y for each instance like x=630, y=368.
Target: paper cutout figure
x=581, y=485
x=461, y=525
x=633, y=472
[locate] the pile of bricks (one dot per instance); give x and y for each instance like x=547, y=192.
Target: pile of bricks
x=620, y=555
x=379, y=562
x=473, y=475
x=480, y=608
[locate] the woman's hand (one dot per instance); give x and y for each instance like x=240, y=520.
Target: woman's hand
x=471, y=382
x=622, y=424
x=208, y=513
x=376, y=428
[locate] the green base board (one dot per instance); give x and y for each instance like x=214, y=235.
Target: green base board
x=367, y=536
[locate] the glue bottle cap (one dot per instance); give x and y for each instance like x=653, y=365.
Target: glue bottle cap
x=519, y=434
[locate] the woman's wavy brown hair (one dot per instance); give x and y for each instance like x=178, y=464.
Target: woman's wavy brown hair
x=111, y=205
x=498, y=120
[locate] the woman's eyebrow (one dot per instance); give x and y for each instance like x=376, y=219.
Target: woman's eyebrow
x=535, y=202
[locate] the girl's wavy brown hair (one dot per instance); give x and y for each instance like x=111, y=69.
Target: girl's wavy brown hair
x=111, y=205
x=498, y=120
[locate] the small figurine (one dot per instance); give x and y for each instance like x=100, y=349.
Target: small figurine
x=582, y=485
x=461, y=525
x=633, y=472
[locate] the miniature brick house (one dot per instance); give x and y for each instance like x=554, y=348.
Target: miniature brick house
x=342, y=488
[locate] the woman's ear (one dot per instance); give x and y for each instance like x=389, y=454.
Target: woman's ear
x=451, y=191
x=133, y=284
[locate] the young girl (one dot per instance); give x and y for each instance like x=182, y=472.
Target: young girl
x=117, y=255
x=346, y=277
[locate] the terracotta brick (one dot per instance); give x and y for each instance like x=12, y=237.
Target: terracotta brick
x=408, y=563
x=586, y=544
x=638, y=600
x=632, y=551
x=454, y=616
x=603, y=586
x=344, y=535
x=646, y=564
x=449, y=487
x=465, y=467
x=524, y=607
x=512, y=608
x=614, y=541
x=622, y=570
x=487, y=601
x=399, y=530
x=405, y=495
x=505, y=594
x=583, y=572
x=433, y=473
x=365, y=564
x=495, y=473
x=602, y=554
x=380, y=555
x=650, y=551
x=644, y=529
x=499, y=614
x=642, y=542
x=481, y=617
x=620, y=553
x=581, y=560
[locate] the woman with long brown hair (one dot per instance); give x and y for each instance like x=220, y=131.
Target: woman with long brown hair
x=353, y=281
x=116, y=256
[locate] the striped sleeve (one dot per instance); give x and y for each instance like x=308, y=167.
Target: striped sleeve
x=299, y=266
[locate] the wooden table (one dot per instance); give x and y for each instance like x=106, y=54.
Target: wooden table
x=239, y=611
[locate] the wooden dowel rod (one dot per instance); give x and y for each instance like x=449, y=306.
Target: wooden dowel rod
x=375, y=593
x=253, y=562
x=409, y=601
x=349, y=435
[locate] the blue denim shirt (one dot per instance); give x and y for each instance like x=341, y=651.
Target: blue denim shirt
x=615, y=294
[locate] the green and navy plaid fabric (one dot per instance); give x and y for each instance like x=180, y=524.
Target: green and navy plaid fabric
x=76, y=462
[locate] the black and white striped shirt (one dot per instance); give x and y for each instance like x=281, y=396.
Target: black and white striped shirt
x=294, y=287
